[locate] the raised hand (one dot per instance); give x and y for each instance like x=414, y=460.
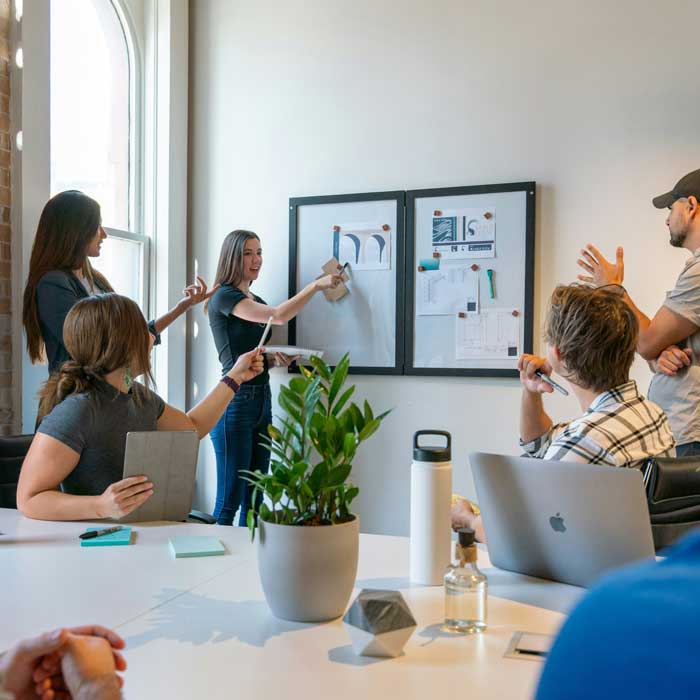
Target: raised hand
x=196, y=293
x=599, y=271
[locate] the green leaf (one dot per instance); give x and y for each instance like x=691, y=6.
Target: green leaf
x=349, y=446
x=357, y=417
x=305, y=372
x=337, y=476
x=317, y=477
x=250, y=522
x=338, y=378
x=338, y=407
x=321, y=368
x=368, y=412
x=369, y=430
x=274, y=433
x=351, y=493
x=298, y=385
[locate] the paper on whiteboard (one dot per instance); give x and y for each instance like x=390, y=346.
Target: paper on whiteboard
x=364, y=246
x=493, y=334
x=445, y=291
x=465, y=233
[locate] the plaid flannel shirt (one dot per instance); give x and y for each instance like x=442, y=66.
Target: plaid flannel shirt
x=620, y=429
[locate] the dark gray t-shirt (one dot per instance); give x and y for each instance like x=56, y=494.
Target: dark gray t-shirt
x=94, y=424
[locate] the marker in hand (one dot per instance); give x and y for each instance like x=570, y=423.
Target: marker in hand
x=265, y=332
x=551, y=382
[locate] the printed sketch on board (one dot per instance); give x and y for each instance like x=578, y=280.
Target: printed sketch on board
x=445, y=291
x=492, y=334
x=364, y=246
x=465, y=233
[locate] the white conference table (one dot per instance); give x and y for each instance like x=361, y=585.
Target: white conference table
x=200, y=628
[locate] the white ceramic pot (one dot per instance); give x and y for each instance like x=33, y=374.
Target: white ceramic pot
x=308, y=572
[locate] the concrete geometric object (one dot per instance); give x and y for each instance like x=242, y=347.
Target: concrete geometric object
x=379, y=623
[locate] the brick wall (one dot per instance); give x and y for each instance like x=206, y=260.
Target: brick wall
x=6, y=415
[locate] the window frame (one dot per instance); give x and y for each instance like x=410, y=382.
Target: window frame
x=159, y=34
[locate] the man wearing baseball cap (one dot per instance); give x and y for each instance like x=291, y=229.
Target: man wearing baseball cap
x=671, y=339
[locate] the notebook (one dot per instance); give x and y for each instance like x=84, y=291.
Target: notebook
x=114, y=539
x=196, y=547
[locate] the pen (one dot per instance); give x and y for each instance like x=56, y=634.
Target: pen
x=265, y=332
x=99, y=533
x=551, y=382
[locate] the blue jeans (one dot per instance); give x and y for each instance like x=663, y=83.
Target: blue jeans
x=688, y=449
x=238, y=446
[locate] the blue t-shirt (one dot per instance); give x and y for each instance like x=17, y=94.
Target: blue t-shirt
x=636, y=634
x=232, y=335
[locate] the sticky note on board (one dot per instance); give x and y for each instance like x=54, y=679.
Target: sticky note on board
x=119, y=538
x=329, y=268
x=430, y=263
x=183, y=547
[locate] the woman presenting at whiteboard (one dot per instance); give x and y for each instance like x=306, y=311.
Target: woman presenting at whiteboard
x=237, y=318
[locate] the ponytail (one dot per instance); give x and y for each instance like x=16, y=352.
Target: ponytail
x=71, y=378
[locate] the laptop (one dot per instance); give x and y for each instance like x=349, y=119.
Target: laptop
x=169, y=460
x=563, y=521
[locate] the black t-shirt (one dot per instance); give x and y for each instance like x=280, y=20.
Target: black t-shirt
x=232, y=335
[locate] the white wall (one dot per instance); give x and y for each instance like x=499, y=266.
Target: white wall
x=293, y=98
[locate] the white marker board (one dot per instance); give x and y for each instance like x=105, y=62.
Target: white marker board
x=488, y=228
x=367, y=231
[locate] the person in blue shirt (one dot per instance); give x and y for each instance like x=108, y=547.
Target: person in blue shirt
x=634, y=635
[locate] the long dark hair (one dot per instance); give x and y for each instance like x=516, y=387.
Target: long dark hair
x=90, y=336
x=230, y=267
x=68, y=222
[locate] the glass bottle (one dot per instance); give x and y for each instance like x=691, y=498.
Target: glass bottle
x=465, y=588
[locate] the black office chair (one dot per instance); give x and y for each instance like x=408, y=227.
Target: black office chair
x=13, y=450
x=673, y=495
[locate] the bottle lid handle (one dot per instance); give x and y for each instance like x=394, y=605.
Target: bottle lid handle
x=442, y=433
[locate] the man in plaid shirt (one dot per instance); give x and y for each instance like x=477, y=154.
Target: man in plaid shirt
x=591, y=337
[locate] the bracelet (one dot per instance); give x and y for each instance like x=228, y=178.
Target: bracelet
x=231, y=383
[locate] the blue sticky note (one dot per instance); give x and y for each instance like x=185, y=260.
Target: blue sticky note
x=196, y=547
x=114, y=539
x=430, y=263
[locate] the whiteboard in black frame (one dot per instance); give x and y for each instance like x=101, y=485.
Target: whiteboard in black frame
x=367, y=231
x=469, y=279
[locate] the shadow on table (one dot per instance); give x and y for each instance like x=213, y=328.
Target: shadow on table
x=347, y=656
x=198, y=619
x=557, y=597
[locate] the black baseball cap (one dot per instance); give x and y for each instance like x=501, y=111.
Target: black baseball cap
x=688, y=185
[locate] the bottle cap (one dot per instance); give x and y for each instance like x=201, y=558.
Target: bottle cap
x=467, y=537
x=430, y=453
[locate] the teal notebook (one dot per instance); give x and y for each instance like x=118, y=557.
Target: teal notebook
x=114, y=539
x=196, y=547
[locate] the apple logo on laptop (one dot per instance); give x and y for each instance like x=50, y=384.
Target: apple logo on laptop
x=557, y=523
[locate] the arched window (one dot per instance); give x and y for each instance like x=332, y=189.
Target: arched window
x=94, y=129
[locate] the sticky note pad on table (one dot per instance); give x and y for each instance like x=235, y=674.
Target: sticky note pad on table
x=114, y=539
x=196, y=547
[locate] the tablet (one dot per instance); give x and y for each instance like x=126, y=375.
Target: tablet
x=169, y=460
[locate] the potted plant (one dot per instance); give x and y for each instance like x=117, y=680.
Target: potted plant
x=308, y=538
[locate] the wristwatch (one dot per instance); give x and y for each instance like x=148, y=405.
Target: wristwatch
x=231, y=383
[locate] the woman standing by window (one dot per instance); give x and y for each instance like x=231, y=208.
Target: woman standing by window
x=237, y=318
x=60, y=274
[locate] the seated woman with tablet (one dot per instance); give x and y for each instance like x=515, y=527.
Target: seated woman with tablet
x=73, y=470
